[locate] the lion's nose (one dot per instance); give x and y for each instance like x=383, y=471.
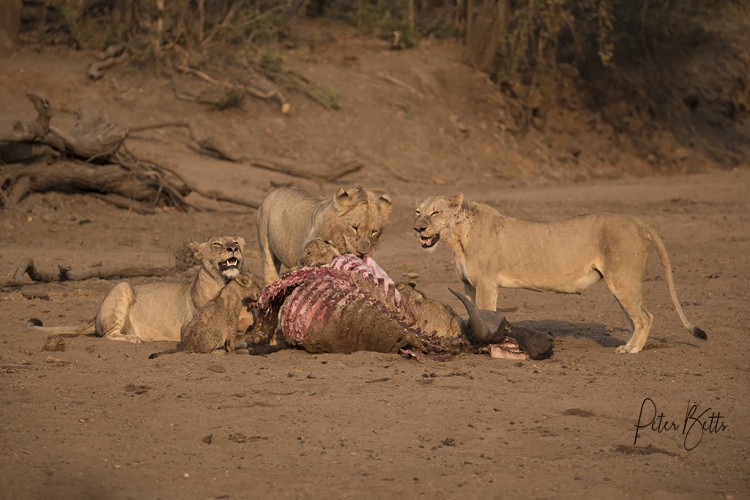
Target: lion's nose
x=233, y=247
x=419, y=229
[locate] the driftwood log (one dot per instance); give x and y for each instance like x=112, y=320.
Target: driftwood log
x=185, y=265
x=62, y=272
x=135, y=190
x=91, y=138
x=91, y=158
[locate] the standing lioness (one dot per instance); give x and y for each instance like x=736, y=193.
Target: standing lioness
x=566, y=256
x=289, y=218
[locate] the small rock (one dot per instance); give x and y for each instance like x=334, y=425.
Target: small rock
x=448, y=442
x=54, y=343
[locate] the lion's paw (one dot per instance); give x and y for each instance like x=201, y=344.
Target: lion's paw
x=626, y=349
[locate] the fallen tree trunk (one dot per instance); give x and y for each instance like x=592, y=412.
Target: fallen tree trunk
x=111, y=178
x=69, y=273
x=143, y=189
x=91, y=138
x=109, y=171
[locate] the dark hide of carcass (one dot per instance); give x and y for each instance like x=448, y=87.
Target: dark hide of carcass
x=352, y=305
x=345, y=307
x=505, y=340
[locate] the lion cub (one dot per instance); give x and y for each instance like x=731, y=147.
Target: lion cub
x=289, y=218
x=217, y=324
x=431, y=315
x=318, y=252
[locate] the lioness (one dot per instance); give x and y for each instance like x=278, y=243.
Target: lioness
x=157, y=311
x=289, y=218
x=566, y=256
x=216, y=325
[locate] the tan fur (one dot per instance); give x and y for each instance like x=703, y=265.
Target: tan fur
x=157, y=311
x=318, y=252
x=432, y=316
x=217, y=324
x=289, y=218
x=565, y=256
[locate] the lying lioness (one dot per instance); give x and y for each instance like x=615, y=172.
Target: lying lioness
x=566, y=255
x=157, y=311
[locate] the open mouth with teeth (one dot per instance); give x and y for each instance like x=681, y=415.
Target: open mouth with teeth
x=507, y=349
x=429, y=241
x=230, y=266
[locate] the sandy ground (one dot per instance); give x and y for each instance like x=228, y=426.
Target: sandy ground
x=100, y=420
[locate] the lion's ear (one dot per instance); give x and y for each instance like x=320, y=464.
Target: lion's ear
x=344, y=197
x=197, y=249
x=385, y=202
x=456, y=201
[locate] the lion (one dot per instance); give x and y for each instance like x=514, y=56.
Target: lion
x=157, y=311
x=564, y=256
x=432, y=316
x=216, y=325
x=318, y=252
x=289, y=218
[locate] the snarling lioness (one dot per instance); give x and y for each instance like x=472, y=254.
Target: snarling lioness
x=565, y=256
x=289, y=218
x=157, y=311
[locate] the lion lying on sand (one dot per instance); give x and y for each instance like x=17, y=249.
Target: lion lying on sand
x=157, y=311
x=566, y=256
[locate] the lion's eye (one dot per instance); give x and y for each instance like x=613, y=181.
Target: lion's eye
x=355, y=229
x=216, y=244
x=375, y=232
x=435, y=212
x=416, y=212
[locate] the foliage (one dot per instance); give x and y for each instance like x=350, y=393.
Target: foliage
x=522, y=44
x=529, y=36
x=190, y=24
x=611, y=44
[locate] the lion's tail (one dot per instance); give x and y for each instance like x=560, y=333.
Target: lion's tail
x=162, y=353
x=666, y=264
x=85, y=329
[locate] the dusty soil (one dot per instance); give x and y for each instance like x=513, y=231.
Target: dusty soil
x=100, y=420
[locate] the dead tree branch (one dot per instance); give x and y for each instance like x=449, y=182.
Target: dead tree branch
x=254, y=85
x=95, y=161
x=63, y=272
x=321, y=172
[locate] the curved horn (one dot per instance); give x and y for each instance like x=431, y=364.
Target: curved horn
x=479, y=331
